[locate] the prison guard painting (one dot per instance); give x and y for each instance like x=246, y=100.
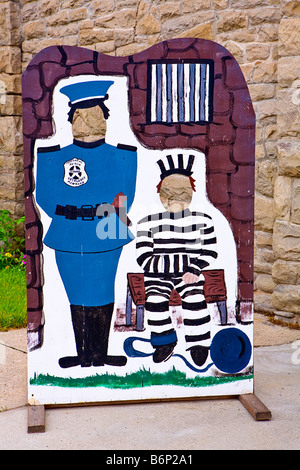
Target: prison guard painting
x=139, y=187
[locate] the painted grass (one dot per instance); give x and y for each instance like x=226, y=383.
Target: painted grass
x=13, y=310
x=141, y=378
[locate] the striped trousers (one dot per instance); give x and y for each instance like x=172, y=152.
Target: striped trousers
x=196, y=318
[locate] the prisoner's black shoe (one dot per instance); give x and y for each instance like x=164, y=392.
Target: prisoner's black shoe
x=199, y=354
x=163, y=352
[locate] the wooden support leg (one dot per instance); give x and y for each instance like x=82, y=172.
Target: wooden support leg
x=36, y=418
x=255, y=407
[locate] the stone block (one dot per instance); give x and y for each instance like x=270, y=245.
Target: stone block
x=286, y=297
x=47, y=7
x=10, y=83
x=204, y=31
x=62, y=31
x=189, y=6
x=236, y=50
x=288, y=158
x=282, y=197
x=121, y=19
x=265, y=283
x=264, y=15
x=295, y=210
x=263, y=239
x=268, y=110
x=265, y=175
x=10, y=30
x=264, y=212
x=102, y=6
x=34, y=29
x=262, y=91
x=288, y=70
x=289, y=37
x=286, y=272
x=231, y=20
x=265, y=72
x=89, y=37
x=288, y=118
x=10, y=134
x=287, y=317
x=10, y=59
x=268, y=33
x=257, y=51
x=286, y=240
x=11, y=105
x=263, y=302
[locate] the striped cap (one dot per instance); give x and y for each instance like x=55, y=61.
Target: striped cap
x=181, y=164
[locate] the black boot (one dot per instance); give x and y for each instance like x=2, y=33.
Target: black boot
x=91, y=327
x=82, y=331
x=101, y=321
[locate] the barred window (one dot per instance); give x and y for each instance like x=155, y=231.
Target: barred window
x=180, y=92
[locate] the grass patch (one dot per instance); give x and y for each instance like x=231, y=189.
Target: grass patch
x=139, y=379
x=13, y=309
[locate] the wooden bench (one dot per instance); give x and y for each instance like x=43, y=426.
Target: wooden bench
x=214, y=292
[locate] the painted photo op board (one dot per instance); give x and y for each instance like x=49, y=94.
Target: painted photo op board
x=139, y=194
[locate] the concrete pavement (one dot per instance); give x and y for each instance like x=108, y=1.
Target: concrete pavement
x=185, y=425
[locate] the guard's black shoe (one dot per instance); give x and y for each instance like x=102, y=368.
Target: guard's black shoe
x=69, y=361
x=115, y=360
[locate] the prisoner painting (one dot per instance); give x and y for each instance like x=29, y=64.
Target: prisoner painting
x=139, y=175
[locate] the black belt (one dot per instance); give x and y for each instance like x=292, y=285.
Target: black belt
x=85, y=212
x=89, y=212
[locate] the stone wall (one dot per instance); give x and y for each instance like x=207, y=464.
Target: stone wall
x=264, y=37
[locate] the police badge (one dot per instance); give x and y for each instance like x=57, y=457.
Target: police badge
x=75, y=174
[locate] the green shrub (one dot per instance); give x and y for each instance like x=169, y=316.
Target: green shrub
x=12, y=245
x=13, y=309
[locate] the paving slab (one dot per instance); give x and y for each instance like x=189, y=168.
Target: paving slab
x=187, y=425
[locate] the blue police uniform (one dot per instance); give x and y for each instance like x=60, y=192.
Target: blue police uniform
x=77, y=187
x=104, y=171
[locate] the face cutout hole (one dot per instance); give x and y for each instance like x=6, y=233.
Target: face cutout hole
x=176, y=193
x=89, y=124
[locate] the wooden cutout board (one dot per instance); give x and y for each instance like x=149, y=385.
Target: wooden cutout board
x=180, y=109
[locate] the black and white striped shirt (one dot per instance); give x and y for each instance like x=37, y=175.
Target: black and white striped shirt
x=173, y=243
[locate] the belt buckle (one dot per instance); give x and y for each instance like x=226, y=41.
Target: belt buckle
x=70, y=212
x=86, y=207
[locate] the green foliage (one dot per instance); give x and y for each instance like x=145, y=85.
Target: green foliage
x=13, y=310
x=12, y=245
